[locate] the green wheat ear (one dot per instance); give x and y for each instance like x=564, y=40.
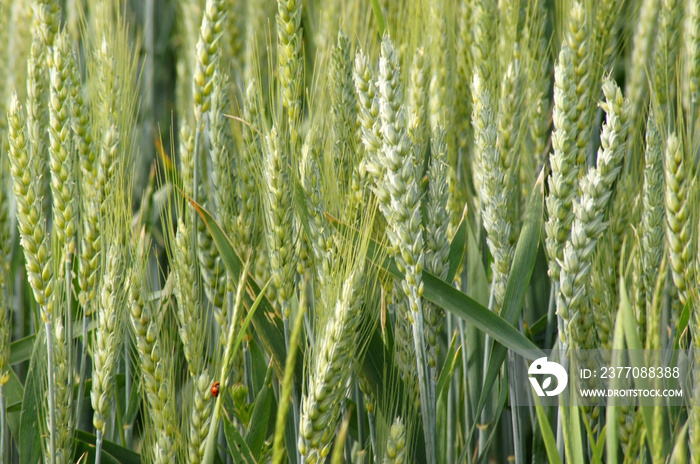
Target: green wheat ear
x=343, y=334
x=62, y=161
x=678, y=220
x=208, y=53
x=279, y=218
x=562, y=181
x=653, y=222
x=588, y=225
x=492, y=174
x=107, y=341
x=343, y=108
x=396, y=443
x=289, y=57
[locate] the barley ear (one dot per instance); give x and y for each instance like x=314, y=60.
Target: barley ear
x=156, y=377
x=5, y=250
x=37, y=119
x=211, y=265
x=483, y=20
x=47, y=16
x=538, y=109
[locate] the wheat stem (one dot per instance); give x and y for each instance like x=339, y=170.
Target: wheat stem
x=288, y=388
x=51, y=394
x=210, y=447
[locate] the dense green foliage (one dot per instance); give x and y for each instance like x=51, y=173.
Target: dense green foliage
x=315, y=231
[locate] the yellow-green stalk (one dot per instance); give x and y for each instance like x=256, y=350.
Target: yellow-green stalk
x=5, y=319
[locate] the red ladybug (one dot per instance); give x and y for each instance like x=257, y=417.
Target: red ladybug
x=215, y=389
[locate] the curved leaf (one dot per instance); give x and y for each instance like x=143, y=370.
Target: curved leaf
x=29, y=439
x=518, y=280
x=86, y=443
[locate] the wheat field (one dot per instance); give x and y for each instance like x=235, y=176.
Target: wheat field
x=327, y=231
